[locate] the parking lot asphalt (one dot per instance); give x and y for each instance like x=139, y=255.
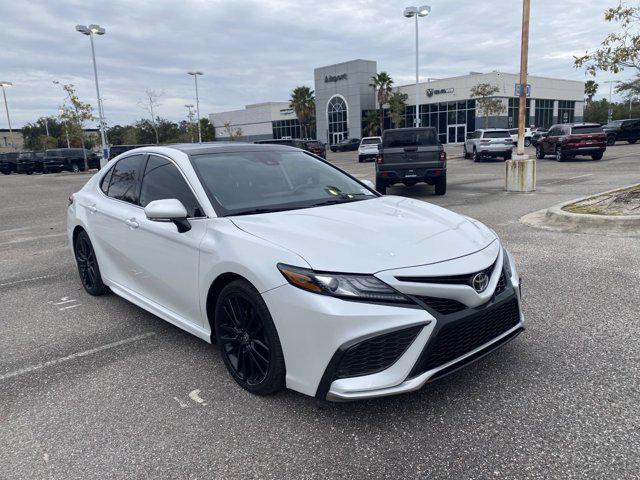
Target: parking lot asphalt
x=98, y=388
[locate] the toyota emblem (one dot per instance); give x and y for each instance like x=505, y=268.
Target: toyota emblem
x=480, y=281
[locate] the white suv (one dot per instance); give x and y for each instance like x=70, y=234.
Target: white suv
x=488, y=142
x=368, y=149
x=527, y=136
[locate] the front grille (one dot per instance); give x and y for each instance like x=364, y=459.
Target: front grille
x=444, y=306
x=501, y=285
x=376, y=354
x=459, y=337
x=464, y=279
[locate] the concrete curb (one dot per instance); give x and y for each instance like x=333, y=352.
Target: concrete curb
x=555, y=218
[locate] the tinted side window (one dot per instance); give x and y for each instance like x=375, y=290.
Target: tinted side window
x=124, y=179
x=104, y=184
x=163, y=180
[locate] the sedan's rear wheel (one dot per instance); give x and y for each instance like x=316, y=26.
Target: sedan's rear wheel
x=88, y=266
x=248, y=339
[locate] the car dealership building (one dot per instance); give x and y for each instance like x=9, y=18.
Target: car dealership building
x=344, y=97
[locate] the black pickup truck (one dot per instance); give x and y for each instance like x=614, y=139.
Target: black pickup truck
x=409, y=156
x=69, y=159
x=9, y=162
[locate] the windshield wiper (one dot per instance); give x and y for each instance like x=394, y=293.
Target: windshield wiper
x=343, y=198
x=255, y=211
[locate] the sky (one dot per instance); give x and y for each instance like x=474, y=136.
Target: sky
x=257, y=51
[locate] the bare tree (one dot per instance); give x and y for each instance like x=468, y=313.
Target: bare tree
x=74, y=113
x=234, y=133
x=149, y=105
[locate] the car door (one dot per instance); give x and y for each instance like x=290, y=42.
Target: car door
x=548, y=145
x=112, y=221
x=166, y=260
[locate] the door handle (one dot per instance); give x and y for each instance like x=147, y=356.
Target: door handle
x=92, y=208
x=131, y=223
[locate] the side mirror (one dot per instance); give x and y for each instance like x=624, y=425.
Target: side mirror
x=369, y=184
x=168, y=210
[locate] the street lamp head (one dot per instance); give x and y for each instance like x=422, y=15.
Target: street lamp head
x=96, y=29
x=6, y=84
x=410, y=12
x=195, y=73
x=424, y=10
x=83, y=29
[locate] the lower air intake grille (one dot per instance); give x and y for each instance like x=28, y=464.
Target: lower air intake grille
x=443, y=305
x=460, y=337
x=376, y=354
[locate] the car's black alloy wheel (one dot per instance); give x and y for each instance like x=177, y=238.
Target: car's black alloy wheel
x=248, y=340
x=88, y=266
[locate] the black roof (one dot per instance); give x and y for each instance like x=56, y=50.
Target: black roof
x=213, y=147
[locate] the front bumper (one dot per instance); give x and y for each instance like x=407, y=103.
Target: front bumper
x=317, y=332
x=370, y=156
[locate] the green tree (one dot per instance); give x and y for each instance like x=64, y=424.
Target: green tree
x=304, y=105
x=208, y=132
x=382, y=85
x=590, y=89
x=75, y=113
x=629, y=89
x=486, y=104
x=371, y=123
x=620, y=49
x=397, y=106
x=35, y=134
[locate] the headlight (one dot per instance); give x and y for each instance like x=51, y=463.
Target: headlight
x=346, y=286
x=506, y=261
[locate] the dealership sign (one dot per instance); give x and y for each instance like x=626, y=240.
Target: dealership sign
x=438, y=91
x=334, y=78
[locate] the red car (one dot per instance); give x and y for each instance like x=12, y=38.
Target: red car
x=567, y=140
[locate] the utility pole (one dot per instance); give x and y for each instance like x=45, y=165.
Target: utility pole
x=6, y=106
x=521, y=171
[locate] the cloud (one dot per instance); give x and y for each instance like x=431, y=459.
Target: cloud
x=258, y=50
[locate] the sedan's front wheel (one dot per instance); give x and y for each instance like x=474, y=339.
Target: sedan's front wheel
x=248, y=339
x=88, y=266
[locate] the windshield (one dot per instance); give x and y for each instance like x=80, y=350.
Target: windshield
x=241, y=183
x=615, y=124
x=497, y=134
x=370, y=141
x=410, y=138
x=586, y=129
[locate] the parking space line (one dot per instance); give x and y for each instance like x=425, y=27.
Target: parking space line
x=73, y=356
x=26, y=280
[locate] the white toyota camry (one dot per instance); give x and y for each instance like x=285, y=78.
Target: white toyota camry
x=304, y=276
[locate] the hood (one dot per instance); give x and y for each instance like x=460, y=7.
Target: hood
x=370, y=235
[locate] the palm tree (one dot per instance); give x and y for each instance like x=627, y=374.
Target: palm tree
x=382, y=84
x=371, y=123
x=303, y=103
x=590, y=89
x=397, y=106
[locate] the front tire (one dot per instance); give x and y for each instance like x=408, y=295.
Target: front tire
x=539, y=152
x=381, y=186
x=597, y=156
x=75, y=168
x=441, y=185
x=88, y=268
x=476, y=155
x=248, y=339
x=611, y=140
x=560, y=157
x=527, y=142
x=465, y=153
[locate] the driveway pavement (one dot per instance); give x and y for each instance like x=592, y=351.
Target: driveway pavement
x=98, y=388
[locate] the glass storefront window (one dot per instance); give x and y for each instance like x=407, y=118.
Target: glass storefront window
x=337, y=119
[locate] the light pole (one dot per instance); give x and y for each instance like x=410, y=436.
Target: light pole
x=6, y=106
x=189, y=107
x=416, y=12
x=92, y=30
x=195, y=77
x=520, y=175
x=610, y=109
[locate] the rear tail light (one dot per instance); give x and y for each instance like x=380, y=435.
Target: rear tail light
x=443, y=155
x=486, y=142
x=379, y=159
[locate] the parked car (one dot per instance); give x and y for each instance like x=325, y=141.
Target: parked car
x=566, y=140
x=314, y=146
x=69, y=159
x=537, y=134
x=304, y=276
x=489, y=142
x=527, y=136
x=368, y=149
x=9, y=162
x=409, y=156
x=346, y=145
x=116, y=150
x=628, y=130
x=29, y=162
